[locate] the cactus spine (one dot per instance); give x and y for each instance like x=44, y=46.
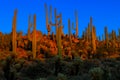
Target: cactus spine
x=14, y=45
x=34, y=38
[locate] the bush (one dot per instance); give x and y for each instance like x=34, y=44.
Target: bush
x=96, y=73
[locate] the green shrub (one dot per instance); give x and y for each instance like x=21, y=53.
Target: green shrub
x=96, y=73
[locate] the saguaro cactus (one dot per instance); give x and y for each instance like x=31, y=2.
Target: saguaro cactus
x=93, y=39
x=76, y=28
x=34, y=39
x=69, y=31
x=113, y=38
x=48, y=26
x=89, y=33
x=106, y=37
x=14, y=44
x=59, y=41
x=91, y=25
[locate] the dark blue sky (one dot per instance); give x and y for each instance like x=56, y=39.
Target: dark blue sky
x=104, y=13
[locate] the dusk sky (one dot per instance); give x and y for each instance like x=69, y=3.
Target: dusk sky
x=104, y=13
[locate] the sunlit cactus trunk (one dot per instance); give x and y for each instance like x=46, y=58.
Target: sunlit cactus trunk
x=91, y=25
x=93, y=40
x=76, y=15
x=14, y=44
x=89, y=33
x=106, y=37
x=34, y=39
x=59, y=41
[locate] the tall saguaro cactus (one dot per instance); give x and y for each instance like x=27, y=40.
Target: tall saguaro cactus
x=89, y=33
x=76, y=15
x=91, y=25
x=34, y=39
x=113, y=38
x=59, y=41
x=14, y=45
x=93, y=39
x=76, y=28
x=48, y=26
x=106, y=37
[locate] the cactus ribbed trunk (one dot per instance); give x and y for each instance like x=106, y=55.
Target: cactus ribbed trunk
x=93, y=39
x=48, y=26
x=89, y=33
x=59, y=42
x=91, y=25
x=14, y=44
x=34, y=38
x=76, y=15
x=50, y=14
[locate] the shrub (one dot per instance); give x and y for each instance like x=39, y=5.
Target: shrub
x=96, y=73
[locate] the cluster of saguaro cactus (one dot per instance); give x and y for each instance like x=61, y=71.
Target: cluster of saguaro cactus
x=93, y=39
x=34, y=38
x=106, y=37
x=14, y=45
